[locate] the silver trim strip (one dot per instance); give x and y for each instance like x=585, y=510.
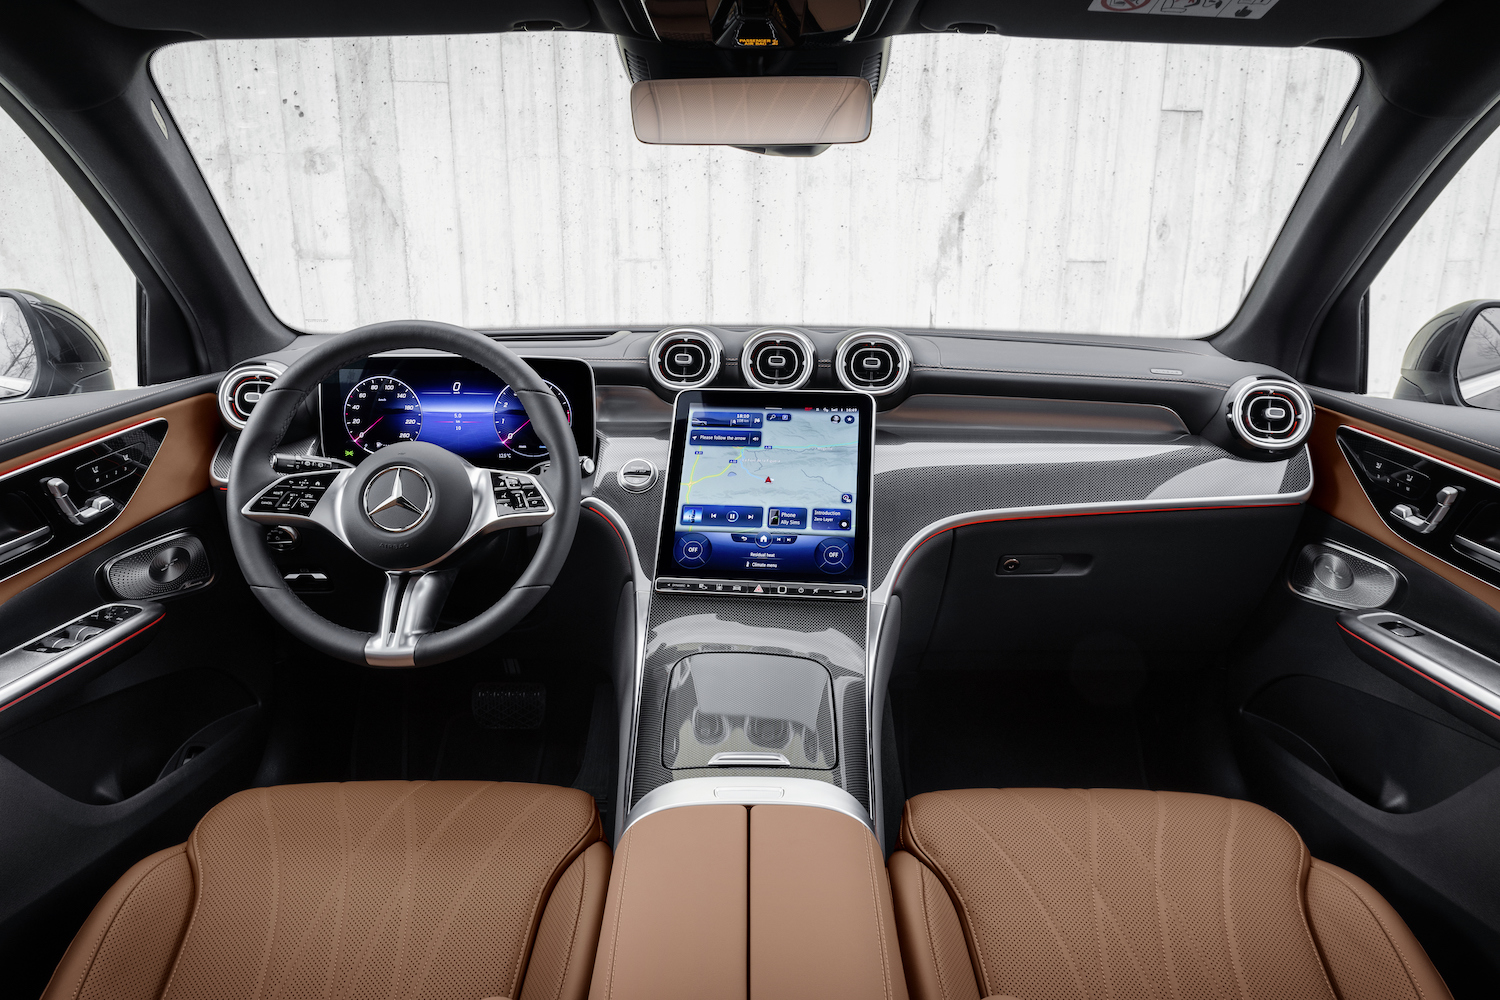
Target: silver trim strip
x=748, y=790
x=48, y=667
x=642, y=621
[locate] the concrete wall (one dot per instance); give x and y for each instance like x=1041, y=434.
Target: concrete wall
x=495, y=181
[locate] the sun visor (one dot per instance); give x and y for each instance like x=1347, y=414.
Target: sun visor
x=752, y=111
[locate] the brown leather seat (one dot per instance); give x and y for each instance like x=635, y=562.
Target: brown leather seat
x=1040, y=893
x=457, y=890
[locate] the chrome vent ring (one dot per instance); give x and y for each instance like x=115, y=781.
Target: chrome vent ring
x=241, y=389
x=1271, y=413
x=778, y=359
x=872, y=361
x=685, y=358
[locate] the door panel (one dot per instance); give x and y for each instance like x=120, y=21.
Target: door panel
x=1379, y=769
x=122, y=756
x=178, y=473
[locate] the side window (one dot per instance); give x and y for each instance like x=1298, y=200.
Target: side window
x=67, y=299
x=1435, y=306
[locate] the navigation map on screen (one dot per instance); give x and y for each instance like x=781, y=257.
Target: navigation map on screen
x=768, y=490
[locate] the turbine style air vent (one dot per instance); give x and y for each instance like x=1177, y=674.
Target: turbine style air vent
x=778, y=359
x=241, y=390
x=872, y=361
x=685, y=358
x=1271, y=413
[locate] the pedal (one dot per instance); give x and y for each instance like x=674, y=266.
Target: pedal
x=509, y=704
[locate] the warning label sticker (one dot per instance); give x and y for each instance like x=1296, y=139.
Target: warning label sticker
x=1244, y=9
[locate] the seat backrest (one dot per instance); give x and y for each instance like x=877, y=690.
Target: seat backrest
x=364, y=889
x=1043, y=892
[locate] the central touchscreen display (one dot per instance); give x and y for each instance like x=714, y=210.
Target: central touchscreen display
x=768, y=488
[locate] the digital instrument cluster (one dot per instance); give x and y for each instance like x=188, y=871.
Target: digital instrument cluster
x=450, y=402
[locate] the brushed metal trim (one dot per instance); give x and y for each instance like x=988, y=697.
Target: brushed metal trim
x=883, y=336
x=715, y=351
x=748, y=790
x=781, y=333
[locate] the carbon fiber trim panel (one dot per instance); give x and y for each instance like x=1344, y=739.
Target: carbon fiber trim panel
x=908, y=499
x=640, y=511
x=832, y=634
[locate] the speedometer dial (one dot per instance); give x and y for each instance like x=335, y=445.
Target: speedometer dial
x=382, y=411
x=517, y=435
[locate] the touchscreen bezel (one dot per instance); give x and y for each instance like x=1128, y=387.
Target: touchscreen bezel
x=858, y=577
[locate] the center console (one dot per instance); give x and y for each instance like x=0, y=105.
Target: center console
x=755, y=645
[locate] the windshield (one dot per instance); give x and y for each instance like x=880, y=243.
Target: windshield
x=496, y=182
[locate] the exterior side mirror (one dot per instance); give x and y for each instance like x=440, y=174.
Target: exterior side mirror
x=46, y=349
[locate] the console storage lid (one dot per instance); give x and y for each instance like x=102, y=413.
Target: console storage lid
x=756, y=900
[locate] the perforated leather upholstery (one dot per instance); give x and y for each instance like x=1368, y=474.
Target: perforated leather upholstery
x=1067, y=893
x=458, y=890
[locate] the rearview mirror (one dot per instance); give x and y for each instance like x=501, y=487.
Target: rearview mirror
x=796, y=115
x=46, y=349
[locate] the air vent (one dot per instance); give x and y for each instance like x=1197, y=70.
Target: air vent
x=777, y=359
x=685, y=358
x=873, y=362
x=241, y=390
x=1273, y=414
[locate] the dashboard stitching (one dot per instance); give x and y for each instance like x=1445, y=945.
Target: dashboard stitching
x=1073, y=374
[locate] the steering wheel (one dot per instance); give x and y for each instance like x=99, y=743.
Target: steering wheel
x=406, y=509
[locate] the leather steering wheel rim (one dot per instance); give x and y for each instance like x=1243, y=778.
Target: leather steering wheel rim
x=252, y=471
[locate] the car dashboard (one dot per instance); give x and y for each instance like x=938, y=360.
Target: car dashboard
x=998, y=499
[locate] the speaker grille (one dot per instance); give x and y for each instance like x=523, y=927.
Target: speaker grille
x=873, y=362
x=685, y=358
x=169, y=566
x=1272, y=414
x=778, y=359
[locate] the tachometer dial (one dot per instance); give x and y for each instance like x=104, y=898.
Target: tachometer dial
x=382, y=411
x=517, y=435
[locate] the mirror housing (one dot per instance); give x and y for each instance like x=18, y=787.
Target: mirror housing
x=793, y=115
x=46, y=349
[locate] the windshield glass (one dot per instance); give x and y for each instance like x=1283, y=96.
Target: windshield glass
x=496, y=182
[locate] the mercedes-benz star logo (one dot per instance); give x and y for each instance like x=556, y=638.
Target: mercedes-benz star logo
x=398, y=498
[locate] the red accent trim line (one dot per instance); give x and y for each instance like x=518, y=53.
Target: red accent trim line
x=85, y=663
x=612, y=527
x=1075, y=513
x=1421, y=673
x=1430, y=457
x=67, y=448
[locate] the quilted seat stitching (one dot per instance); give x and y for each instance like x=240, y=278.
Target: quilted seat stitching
x=1031, y=893
x=1405, y=965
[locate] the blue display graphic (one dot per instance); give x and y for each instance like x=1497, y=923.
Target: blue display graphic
x=475, y=416
x=768, y=492
x=736, y=553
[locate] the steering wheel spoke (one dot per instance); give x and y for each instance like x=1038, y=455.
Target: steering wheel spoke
x=409, y=609
x=302, y=498
x=507, y=500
